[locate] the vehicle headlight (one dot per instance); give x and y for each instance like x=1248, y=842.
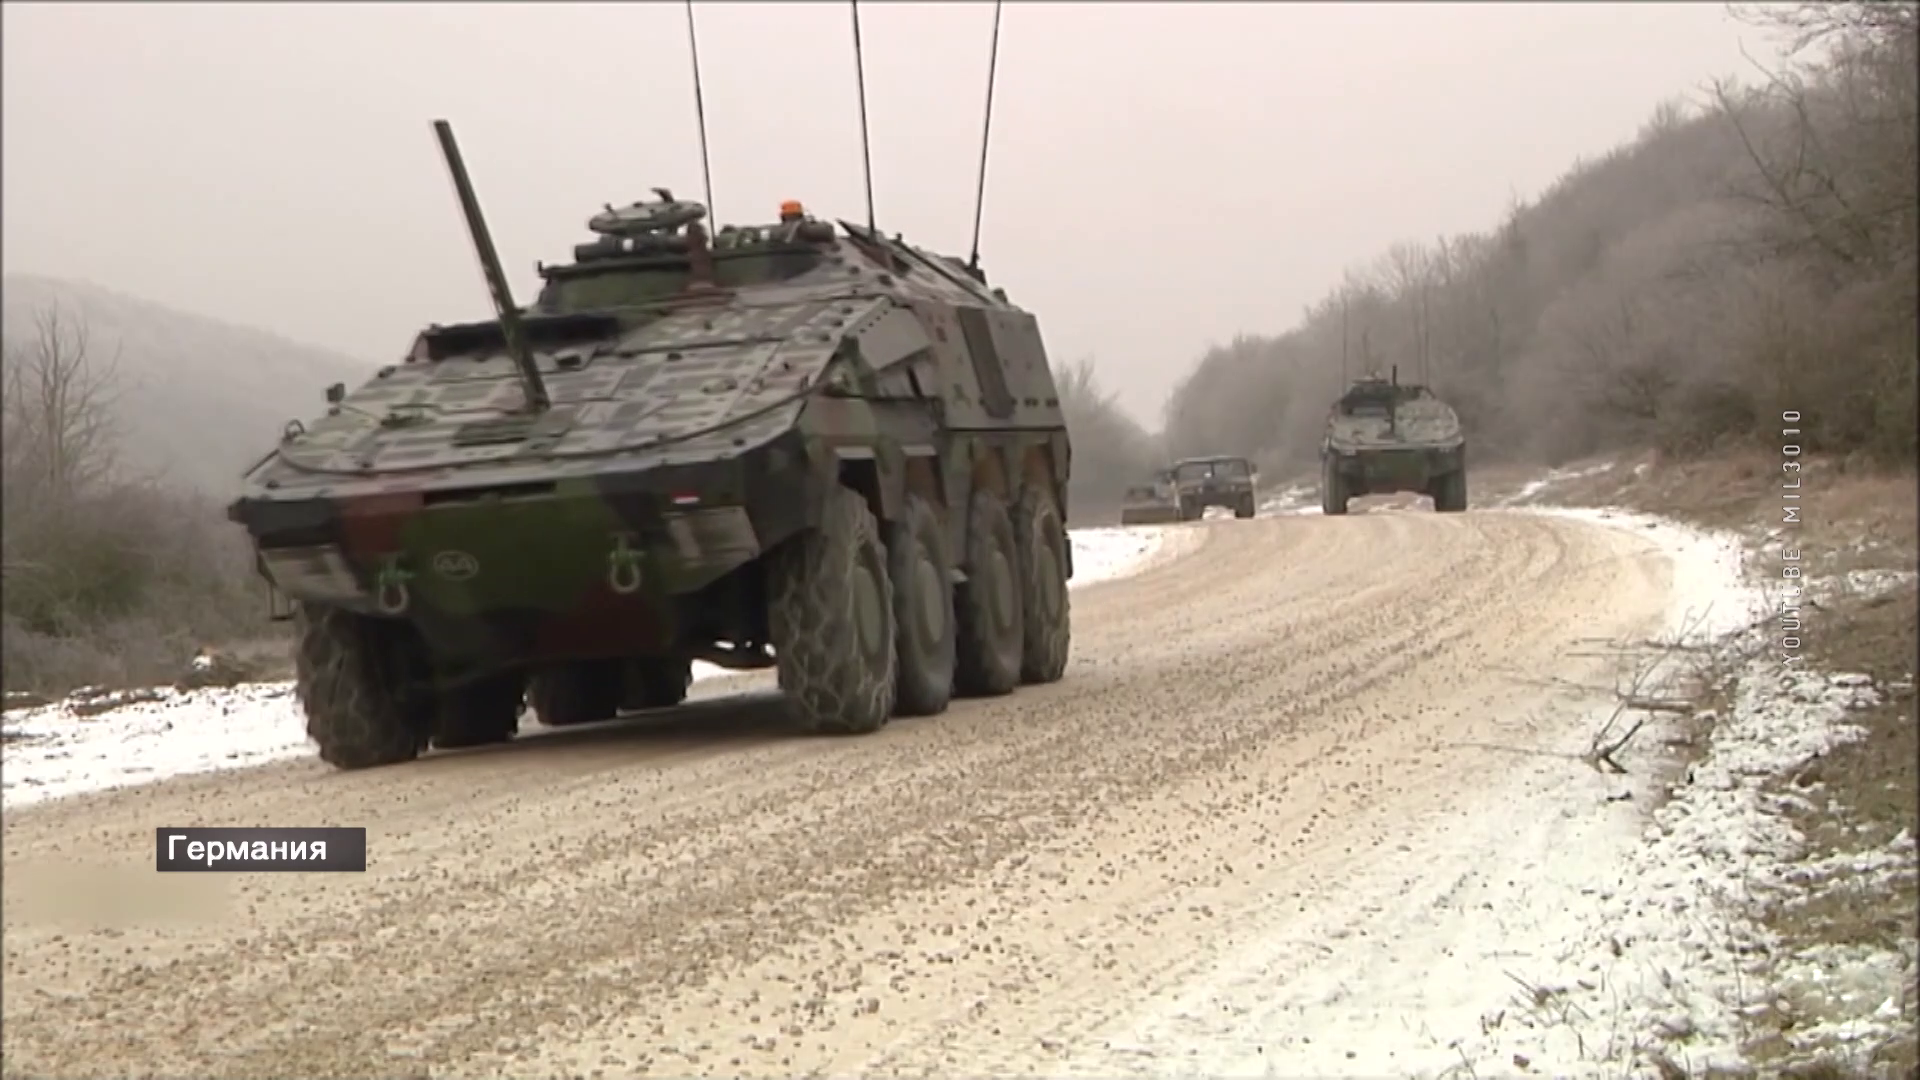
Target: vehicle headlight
x=312, y=573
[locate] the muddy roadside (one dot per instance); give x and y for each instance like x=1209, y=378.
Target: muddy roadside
x=1842, y=924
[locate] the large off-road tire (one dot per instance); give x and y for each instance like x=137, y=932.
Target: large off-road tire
x=1450, y=492
x=1047, y=632
x=351, y=679
x=578, y=693
x=1245, y=509
x=921, y=569
x=481, y=712
x=657, y=683
x=988, y=613
x=1333, y=490
x=831, y=616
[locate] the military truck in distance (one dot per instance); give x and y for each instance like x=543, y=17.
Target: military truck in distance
x=1386, y=436
x=820, y=450
x=1200, y=482
x=1151, y=504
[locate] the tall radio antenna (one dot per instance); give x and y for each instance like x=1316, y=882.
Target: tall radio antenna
x=700, y=111
x=1426, y=336
x=860, y=73
x=986, y=133
x=1346, y=335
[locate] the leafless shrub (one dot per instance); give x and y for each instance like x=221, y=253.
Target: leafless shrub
x=107, y=580
x=1674, y=678
x=1110, y=450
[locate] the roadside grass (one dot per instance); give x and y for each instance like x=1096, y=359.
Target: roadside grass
x=1857, y=540
x=1853, y=516
x=1859, y=798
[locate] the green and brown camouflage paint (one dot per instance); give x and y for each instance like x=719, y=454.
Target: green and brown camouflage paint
x=704, y=399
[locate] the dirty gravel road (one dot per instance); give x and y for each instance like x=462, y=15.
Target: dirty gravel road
x=1245, y=731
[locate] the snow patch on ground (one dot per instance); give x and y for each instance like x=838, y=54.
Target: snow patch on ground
x=1658, y=957
x=51, y=753
x=55, y=751
x=1714, y=594
x=1862, y=583
x=1295, y=499
x=1561, y=929
x=1661, y=959
x=1104, y=554
x=1532, y=488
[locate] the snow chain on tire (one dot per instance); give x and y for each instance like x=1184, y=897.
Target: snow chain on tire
x=357, y=710
x=831, y=616
x=921, y=570
x=988, y=615
x=1048, y=632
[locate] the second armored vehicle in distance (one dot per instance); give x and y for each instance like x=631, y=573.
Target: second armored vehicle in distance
x=822, y=450
x=1200, y=482
x=1151, y=504
x=1386, y=436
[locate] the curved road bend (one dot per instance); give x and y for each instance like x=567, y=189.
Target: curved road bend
x=1243, y=726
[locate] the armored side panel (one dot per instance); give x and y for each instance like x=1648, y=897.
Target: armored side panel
x=979, y=361
x=986, y=357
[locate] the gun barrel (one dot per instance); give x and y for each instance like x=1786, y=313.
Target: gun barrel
x=503, y=305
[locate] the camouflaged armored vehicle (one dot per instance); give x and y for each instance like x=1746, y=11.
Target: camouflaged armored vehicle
x=792, y=445
x=1386, y=436
x=1200, y=482
x=1151, y=504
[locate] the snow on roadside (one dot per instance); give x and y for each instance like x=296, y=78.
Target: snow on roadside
x=1103, y=554
x=1668, y=962
x=1560, y=929
x=52, y=753
x=1293, y=499
x=1713, y=594
x=1661, y=957
x=1550, y=478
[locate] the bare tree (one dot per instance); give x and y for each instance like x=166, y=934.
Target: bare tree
x=107, y=579
x=1110, y=450
x=60, y=437
x=1810, y=26
x=1832, y=137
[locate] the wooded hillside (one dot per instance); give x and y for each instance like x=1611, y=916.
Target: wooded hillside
x=194, y=400
x=1110, y=450
x=1751, y=255
x=1744, y=256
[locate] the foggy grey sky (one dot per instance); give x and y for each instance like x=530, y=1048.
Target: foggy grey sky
x=1163, y=176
